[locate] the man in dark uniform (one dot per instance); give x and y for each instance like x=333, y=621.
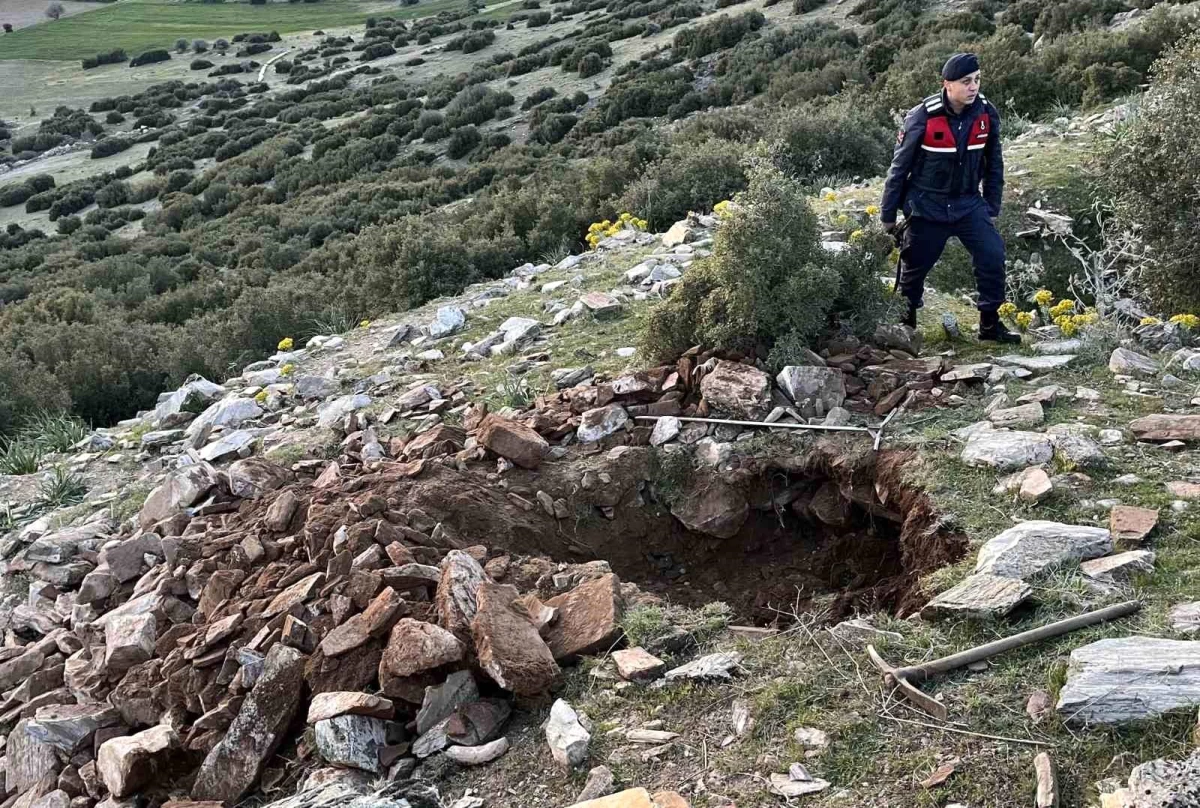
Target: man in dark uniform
x=949, y=146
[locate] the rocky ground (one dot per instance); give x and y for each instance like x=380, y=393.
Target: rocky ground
x=486, y=555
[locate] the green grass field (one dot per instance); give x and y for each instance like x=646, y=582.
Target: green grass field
x=139, y=25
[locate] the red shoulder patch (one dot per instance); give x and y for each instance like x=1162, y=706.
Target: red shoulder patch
x=900, y=137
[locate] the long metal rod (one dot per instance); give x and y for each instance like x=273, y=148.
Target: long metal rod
x=954, y=661
x=759, y=423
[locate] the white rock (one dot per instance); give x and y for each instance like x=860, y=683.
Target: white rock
x=665, y=430
x=353, y=741
x=979, y=596
x=1030, y=548
x=1038, y=364
x=1131, y=363
x=226, y=412
x=714, y=667
x=807, y=384
x=448, y=320
x=1185, y=617
x=1129, y=678
x=1119, y=568
x=336, y=410
x=567, y=738
x=597, y=424
x=1005, y=450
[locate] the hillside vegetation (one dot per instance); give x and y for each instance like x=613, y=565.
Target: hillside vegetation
x=355, y=191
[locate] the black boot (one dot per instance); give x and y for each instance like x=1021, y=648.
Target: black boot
x=992, y=330
x=910, y=316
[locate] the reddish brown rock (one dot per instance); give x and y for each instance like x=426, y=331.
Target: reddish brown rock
x=712, y=507
x=128, y=763
x=379, y=617
x=282, y=509
x=589, y=618
x=513, y=441
x=1130, y=525
x=415, y=647
x=737, y=390
x=331, y=705
x=294, y=595
x=456, y=592
x=509, y=647
x=637, y=664
x=1166, y=427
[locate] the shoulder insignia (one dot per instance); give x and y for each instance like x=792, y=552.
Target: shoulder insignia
x=900, y=137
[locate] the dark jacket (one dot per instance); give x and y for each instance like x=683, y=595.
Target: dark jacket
x=940, y=161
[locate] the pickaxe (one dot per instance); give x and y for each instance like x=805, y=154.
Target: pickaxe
x=904, y=677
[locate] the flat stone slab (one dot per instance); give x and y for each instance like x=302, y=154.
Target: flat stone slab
x=1130, y=678
x=1033, y=547
x=1185, y=617
x=968, y=373
x=979, y=596
x=1130, y=524
x=1038, y=364
x=714, y=667
x=1120, y=567
x=1166, y=427
x=1184, y=490
x=1007, y=451
x=1024, y=415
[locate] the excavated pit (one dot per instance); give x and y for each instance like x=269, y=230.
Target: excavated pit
x=833, y=528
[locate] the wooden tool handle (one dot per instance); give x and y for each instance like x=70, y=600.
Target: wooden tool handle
x=949, y=663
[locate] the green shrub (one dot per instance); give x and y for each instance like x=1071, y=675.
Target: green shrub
x=110, y=146
x=202, y=64
x=769, y=287
x=462, y=141
x=688, y=177
x=841, y=138
x=1150, y=169
x=150, y=57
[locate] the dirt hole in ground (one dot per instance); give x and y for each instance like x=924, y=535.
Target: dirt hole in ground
x=834, y=528
x=838, y=539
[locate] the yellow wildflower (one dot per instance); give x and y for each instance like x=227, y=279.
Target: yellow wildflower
x=856, y=236
x=1043, y=297
x=1062, y=307
x=830, y=196
x=365, y=324
x=1068, y=327
x=1087, y=318
x=872, y=210
x=842, y=220
x=1151, y=321
x=1188, y=321
x=285, y=344
x=721, y=208
x=1007, y=310
x=1024, y=319
x=261, y=398
x=287, y=369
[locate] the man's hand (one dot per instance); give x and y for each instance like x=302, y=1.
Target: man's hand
x=889, y=227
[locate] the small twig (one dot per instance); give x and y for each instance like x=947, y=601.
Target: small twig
x=1026, y=741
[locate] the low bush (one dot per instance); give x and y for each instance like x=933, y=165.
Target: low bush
x=462, y=141
x=150, y=57
x=687, y=177
x=769, y=288
x=110, y=146
x=1150, y=171
x=200, y=64
x=111, y=58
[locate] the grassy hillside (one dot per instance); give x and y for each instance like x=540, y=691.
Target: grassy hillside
x=372, y=174
x=137, y=25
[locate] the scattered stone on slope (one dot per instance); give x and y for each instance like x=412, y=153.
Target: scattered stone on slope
x=449, y=319
x=1038, y=364
x=478, y=755
x=1119, y=568
x=1185, y=617
x=1030, y=548
x=351, y=741
x=1024, y=415
x=566, y=736
x=513, y=441
x=126, y=764
x=713, y=667
x=588, y=620
x=1124, y=679
x=637, y=664
x=712, y=507
x=737, y=391
x=980, y=596
x=233, y=766
x=1164, y=427
x=597, y=424
x=181, y=489
x=1007, y=451
x=1131, y=363
x=509, y=647
x=807, y=386
x=333, y=704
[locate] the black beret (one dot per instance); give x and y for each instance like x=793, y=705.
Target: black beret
x=959, y=65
